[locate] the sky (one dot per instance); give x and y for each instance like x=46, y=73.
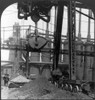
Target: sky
x=9, y=17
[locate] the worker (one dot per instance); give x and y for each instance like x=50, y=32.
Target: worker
x=6, y=79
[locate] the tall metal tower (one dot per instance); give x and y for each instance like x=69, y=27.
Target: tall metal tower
x=14, y=55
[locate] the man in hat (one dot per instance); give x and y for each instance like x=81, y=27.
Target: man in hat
x=6, y=79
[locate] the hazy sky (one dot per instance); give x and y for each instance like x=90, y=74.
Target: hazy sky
x=9, y=17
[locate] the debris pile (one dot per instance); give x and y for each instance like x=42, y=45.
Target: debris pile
x=20, y=79
x=38, y=88
x=41, y=88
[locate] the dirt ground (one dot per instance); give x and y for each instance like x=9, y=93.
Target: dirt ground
x=40, y=89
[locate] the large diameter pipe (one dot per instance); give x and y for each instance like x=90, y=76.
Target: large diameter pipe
x=57, y=35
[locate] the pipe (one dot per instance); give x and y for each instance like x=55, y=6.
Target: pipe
x=79, y=34
x=0, y=48
x=57, y=35
x=89, y=22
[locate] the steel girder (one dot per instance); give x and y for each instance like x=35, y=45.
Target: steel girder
x=72, y=34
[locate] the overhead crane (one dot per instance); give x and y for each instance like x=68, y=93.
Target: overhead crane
x=57, y=34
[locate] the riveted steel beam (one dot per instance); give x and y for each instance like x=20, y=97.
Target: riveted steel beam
x=72, y=34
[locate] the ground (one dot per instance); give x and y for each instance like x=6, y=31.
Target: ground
x=4, y=92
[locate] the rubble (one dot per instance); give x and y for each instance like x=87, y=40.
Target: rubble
x=20, y=79
x=41, y=88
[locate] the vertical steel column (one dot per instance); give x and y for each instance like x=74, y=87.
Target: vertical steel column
x=79, y=23
x=89, y=22
x=72, y=34
x=0, y=49
x=27, y=62
x=93, y=71
x=57, y=35
x=27, y=53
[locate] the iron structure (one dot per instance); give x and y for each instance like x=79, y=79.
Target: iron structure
x=72, y=34
x=57, y=36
